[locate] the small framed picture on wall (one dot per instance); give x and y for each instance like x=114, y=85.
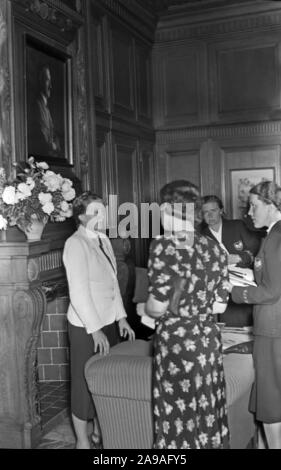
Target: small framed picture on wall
x=241, y=183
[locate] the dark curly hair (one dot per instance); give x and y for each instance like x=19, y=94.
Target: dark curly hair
x=184, y=192
x=212, y=198
x=81, y=203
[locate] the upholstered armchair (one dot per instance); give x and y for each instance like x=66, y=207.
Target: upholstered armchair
x=120, y=384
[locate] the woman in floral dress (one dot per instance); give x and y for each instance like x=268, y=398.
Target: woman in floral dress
x=189, y=402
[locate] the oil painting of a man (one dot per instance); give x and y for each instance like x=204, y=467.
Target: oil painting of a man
x=45, y=105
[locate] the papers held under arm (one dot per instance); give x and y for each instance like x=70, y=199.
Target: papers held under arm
x=241, y=276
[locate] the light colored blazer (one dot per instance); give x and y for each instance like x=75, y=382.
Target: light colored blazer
x=266, y=297
x=95, y=299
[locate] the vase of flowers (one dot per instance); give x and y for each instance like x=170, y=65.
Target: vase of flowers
x=35, y=196
x=35, y=229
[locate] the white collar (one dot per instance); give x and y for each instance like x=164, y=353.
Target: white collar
x=45, y=100
x=92, y=235
x=217, y=233
x=272, y=225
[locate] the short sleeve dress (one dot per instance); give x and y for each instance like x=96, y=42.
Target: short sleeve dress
x=189, y=400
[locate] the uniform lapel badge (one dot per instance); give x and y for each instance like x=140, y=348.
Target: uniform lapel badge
x=258, y=263
x=238, y=245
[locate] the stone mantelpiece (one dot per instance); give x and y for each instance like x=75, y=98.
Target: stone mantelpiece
x=27, y=272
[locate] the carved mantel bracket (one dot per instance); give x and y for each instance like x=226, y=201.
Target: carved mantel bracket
x=24, y=268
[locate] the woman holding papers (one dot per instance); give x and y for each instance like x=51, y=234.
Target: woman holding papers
x=186, y=273
x=265, y=399
x=240, y=244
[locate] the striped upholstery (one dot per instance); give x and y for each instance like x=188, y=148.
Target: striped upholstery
x=120, y=384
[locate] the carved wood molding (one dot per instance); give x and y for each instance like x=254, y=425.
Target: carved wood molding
x=132, y=12
x=54, y=12
x=262, y=21
x=46, y=262
x=29, y=308
x=5, y=95
x=173, y=136
x=82, y=111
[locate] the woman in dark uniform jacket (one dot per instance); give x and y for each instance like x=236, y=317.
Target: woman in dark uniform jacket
x=265, y=399
x=241, y=244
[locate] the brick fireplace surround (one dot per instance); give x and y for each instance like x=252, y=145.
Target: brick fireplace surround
x=53, y=352
x=34, y=353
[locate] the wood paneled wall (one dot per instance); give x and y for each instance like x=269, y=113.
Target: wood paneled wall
x=122, y=71
x=217, y=95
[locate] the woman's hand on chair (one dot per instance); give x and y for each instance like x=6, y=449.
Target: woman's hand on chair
x=125, y=330
x=101, y=342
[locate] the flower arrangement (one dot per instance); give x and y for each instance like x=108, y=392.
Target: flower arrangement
x=35, y=192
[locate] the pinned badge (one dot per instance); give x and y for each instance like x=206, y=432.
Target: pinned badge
x=238, y=245
x=258, y=263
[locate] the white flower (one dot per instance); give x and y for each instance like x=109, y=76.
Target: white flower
x=164, y=352
x=67, y=213
x=189, y=345
x=166, y=427
x=208, y=379
x=193, y=404
x=176, y=348
x=168, y=387
x=24, y=191
x=185, y=385
x=198, y=381
x=43, y=165
x=48, y=208
x=210, y=419
x=30, y=182
x=202, y=360
x=173, y=369
x=179, y=426
x=158, y=250
x=69, y=195
x=64, y=206
x=190, y=425
x=3, y=223
x=180, y=332
x=44, y=198
x=203, y=437
x=9, y=195
x=158, y=264
x=187, y=365
x=168, y=408
x=66, y=185
x=31, y=162
x=52, y=181
x=216, y=440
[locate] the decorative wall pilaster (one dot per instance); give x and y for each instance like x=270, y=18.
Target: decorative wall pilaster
x=5, y=95
x=82, y=112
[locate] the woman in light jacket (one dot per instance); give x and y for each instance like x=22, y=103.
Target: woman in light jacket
x=95, y=308
x=265, y=399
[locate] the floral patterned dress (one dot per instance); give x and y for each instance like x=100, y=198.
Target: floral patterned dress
x=189, y=402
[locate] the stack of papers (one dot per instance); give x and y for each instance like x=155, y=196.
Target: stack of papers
x=232, y=336
x=241, y=276
x=145, y=319
x=148, y=321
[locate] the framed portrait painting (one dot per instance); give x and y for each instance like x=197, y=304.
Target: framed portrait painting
x=241, y=183
x=48, y=103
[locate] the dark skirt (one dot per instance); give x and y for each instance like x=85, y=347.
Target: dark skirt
x=81, y=349
x=265, y=400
